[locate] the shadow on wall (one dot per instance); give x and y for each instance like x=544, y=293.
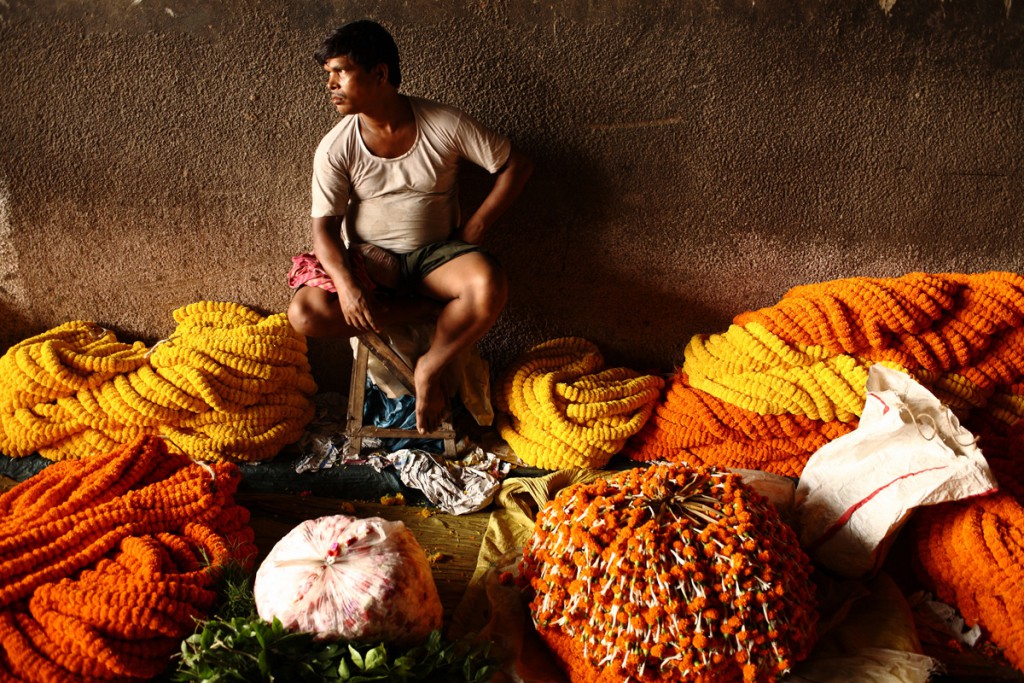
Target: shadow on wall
x=572, y=274
x=13, y=326
x=636, y=319
x=538, y=236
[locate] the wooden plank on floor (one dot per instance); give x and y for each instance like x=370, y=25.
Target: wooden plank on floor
x=456, y=538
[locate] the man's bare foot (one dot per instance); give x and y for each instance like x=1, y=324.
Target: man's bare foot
x=429, y=402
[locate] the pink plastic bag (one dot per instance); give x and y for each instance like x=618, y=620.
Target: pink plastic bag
x=363, y=580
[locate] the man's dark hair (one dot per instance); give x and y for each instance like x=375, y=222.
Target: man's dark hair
x=366, y=43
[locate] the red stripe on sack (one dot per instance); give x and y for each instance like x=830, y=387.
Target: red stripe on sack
x=839, y=523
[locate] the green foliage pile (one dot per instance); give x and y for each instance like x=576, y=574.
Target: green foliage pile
x=236, y=646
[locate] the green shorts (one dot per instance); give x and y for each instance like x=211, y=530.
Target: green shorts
x=416, y=265
x=307, y=271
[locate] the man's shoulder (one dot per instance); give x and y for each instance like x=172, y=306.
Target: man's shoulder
x=339, y=138
x=433, y=109
x=455, y=130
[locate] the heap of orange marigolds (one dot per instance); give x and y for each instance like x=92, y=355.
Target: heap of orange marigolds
x=669, y=574
x=228, y=384
x=561, y=409
x=785, y=380
x=106, y=562
x=971, y=553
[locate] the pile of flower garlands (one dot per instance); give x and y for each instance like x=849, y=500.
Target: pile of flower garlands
x=785, y=380
x=561, y=410
x=228, y=384
x=669, y=574
x=107, y=561
x=971, y=552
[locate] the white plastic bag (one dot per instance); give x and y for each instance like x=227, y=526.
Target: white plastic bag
x=364, y=580
x=856, y=491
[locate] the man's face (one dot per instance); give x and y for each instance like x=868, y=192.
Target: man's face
x=351, y=86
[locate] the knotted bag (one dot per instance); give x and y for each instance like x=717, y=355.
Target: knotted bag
x=362, y=580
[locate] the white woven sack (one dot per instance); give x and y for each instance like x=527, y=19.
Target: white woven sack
x=856, y=491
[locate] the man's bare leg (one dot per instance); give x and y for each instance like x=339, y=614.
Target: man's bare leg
x=475, y=289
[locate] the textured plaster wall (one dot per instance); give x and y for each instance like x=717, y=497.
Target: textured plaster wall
x=694, y=159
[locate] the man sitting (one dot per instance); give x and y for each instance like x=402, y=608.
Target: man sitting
x=385, y=213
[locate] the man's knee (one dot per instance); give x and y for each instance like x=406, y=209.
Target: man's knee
x=488, y=288
x=306, y=315
x=299, y=316
x=476, y=280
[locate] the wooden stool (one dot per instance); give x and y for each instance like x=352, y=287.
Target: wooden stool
x=355, y=430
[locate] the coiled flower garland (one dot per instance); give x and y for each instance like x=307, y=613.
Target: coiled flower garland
x=669, y=574
x=972, y=552
x=228, y=384
x=108, y=561
x=781, y=383
x=785, y=380
x=562, y=411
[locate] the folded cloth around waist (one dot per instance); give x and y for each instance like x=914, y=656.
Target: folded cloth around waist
x=397, y=273
x=306, y=271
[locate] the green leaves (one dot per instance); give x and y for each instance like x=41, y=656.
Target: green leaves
x=244, y=650
x=236, y=646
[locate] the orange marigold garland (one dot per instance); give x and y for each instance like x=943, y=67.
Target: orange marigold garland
x=106, y=562
x=692, y=424
x=971, y=552
x=786, y=379
x=669, y=574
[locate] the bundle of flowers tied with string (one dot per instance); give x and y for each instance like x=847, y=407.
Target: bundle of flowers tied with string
x=785, y=380
x=669, y=574
x=562, y=409
x=228, y=384
x=108, y=562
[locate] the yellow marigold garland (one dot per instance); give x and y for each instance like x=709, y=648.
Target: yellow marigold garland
x=76, y=355
x=669, y=574
x=784, y=380
x=754, y=369
x=108, y=562
x=228, y=384
x=561, y=410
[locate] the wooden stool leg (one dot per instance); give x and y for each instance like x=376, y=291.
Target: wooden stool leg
x=390, y=359
x=356, y=399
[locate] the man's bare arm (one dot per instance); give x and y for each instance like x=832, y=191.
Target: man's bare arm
x=331, y=251
x=507, y=187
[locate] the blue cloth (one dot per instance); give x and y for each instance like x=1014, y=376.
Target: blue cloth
x=395, y=413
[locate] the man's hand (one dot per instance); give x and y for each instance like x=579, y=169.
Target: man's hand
x=355, y=303
x=357, y=308
x=472, y=231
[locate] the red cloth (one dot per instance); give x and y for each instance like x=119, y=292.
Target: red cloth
x=307, y=271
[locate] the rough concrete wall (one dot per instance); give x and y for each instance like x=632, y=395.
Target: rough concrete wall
x=694, y=160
